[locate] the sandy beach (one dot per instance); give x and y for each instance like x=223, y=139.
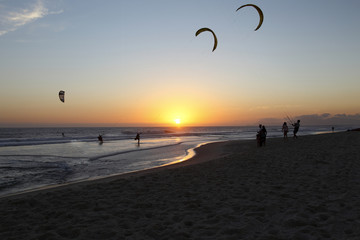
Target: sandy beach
x=305, y=188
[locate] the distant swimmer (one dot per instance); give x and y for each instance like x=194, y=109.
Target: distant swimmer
x=138, y=138
x=63, y=134
x=100, y=138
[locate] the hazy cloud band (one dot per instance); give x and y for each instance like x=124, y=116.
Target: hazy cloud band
x=12, y=19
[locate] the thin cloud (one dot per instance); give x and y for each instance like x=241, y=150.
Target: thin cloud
x=326, y=119
x=13, y=19
x=318, y=119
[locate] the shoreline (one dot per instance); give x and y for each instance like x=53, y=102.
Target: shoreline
x=192, y=153
x=305, y=188
x=206, y=154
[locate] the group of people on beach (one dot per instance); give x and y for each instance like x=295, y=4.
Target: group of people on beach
x=285, y=128
x=261, y=134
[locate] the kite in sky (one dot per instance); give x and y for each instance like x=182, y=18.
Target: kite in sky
x=62, y=96
x=261, y=15
x=209, y=30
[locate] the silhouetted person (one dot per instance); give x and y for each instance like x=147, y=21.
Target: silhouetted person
x=100, y=139
x=296, y=127
x=332, y=128
x=263, y=135
x=138, y=138
x=258, y=136
x=285, y=130
x=63, y=134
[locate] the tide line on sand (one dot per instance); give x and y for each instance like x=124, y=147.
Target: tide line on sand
x=305, y=188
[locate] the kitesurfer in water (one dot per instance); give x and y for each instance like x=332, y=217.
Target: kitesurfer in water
x=138, y=138
x=100, y=138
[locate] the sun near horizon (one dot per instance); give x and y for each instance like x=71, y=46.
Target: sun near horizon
x=121, y=79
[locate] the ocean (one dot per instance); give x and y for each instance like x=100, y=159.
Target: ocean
x=32, y=158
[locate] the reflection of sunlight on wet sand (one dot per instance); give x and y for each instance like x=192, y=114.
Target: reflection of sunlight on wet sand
x=190, y=153
x=166, y=140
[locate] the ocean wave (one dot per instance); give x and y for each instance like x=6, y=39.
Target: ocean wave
x=39, y=156
x=43, y=141
x=132, y=150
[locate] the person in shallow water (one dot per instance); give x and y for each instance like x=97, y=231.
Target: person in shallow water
x=137, y=138
x=100, y=138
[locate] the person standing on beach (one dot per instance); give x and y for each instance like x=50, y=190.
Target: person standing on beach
x=296, y=127
x=285, y=130
x=263, y=134
x=258, y=134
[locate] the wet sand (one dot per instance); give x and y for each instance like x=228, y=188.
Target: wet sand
x=305, y=188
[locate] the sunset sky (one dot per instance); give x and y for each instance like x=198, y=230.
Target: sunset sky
x=138, y=63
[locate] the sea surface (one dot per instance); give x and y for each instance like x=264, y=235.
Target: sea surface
x=31, y=158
